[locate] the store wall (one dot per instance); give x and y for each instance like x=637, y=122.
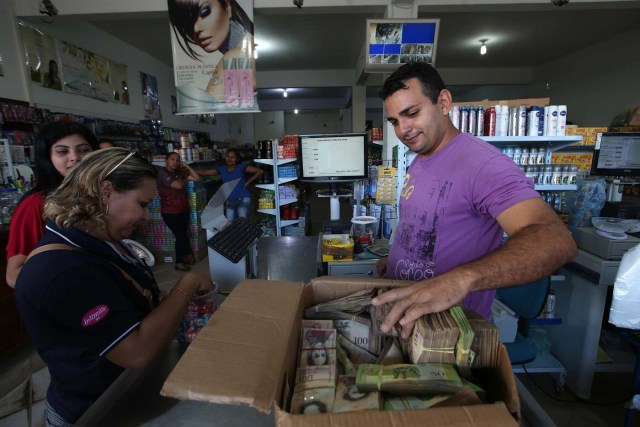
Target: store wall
x=13, y=82
x=268, y=125
x=237, y=128
x=318, y=122
x=596, y=83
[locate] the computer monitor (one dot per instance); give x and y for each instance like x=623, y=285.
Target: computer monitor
x=617, y=154
x=333, y=158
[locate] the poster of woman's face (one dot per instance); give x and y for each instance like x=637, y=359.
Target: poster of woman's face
x=213, y=55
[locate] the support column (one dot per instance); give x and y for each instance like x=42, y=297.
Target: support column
x=359, y=108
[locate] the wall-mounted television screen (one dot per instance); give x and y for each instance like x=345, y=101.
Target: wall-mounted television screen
x=393, y=42
x=333, y=157
x=616, y=154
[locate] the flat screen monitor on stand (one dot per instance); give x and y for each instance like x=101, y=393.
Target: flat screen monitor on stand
x=616, y=154
x=333, y=159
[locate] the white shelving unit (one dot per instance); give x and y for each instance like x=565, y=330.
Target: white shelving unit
x=275, y=187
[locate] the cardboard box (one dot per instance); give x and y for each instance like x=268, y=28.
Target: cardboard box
x=247, y=353
x=332, y=251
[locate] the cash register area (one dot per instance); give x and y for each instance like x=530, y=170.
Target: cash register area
x=561, y=408
x=591, y=393
x=583, y=379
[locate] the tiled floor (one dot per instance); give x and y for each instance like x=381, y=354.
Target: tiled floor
x=605, y=408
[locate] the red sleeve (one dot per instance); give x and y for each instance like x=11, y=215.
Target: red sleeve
x=27, y=225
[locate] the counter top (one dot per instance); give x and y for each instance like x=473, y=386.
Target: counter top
x=291, y=258
x=135, y=400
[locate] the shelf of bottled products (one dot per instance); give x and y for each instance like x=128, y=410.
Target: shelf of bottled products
x=278, y=180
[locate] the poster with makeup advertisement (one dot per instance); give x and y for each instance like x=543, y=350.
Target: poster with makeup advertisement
x=40, y=57
x=150, y=99
x=393, y=42
x=213, y=56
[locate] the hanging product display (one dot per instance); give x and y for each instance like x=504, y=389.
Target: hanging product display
x=213, y=61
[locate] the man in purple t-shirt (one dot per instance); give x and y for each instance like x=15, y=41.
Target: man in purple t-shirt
x=459, y=195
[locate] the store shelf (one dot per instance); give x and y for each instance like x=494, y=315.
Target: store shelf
x=519, y=139
x=285, y=180
x=274, y=161
x=287, y=201
x=284, y=223
x=543, y=363
x=580, y=148
x=271, y=187
x=543, y=187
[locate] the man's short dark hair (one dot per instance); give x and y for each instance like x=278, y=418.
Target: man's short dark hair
x=432, y=83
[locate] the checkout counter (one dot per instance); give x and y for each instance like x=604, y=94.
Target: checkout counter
x=134, y=400
x=581, y=304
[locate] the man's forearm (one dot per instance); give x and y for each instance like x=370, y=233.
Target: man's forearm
x=533, y=252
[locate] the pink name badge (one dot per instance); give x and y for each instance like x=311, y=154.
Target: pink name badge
x=95, y=315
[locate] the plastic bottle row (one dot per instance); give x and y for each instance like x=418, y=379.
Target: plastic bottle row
x=503, y=120
x=552, y=174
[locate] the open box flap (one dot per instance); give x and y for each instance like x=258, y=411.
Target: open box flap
x=238, y=357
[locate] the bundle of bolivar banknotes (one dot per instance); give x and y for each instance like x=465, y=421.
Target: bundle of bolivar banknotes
x=345, y=362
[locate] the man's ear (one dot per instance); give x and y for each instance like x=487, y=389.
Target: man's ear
x=445, y=101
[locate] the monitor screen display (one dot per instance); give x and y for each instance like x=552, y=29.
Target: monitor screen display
x=393, y=42
x=333, y=158
x=616, y=154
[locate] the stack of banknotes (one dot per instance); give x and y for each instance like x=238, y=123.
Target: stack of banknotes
x=346, y=363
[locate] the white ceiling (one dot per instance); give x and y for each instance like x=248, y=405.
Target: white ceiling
x=322, y=38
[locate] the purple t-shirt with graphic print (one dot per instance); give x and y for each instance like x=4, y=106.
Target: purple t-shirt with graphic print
x=448, y=205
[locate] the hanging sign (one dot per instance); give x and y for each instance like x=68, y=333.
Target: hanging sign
x=213, y=56
x=393, y=42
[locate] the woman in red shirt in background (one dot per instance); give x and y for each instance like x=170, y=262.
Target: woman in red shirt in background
x=174, y=204
x=59, y=146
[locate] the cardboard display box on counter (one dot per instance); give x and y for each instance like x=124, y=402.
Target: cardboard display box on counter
x=247, y=352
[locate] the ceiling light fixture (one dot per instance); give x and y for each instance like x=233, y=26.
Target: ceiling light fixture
x=483, y=46
x=284, y=94
x=295, y=111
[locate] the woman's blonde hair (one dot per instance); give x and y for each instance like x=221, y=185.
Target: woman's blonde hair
x=77, y=202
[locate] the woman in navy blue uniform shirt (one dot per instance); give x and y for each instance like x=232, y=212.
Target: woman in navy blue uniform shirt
x=90, y=305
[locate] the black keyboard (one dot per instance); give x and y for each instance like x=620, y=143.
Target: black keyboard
x=233, y=239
